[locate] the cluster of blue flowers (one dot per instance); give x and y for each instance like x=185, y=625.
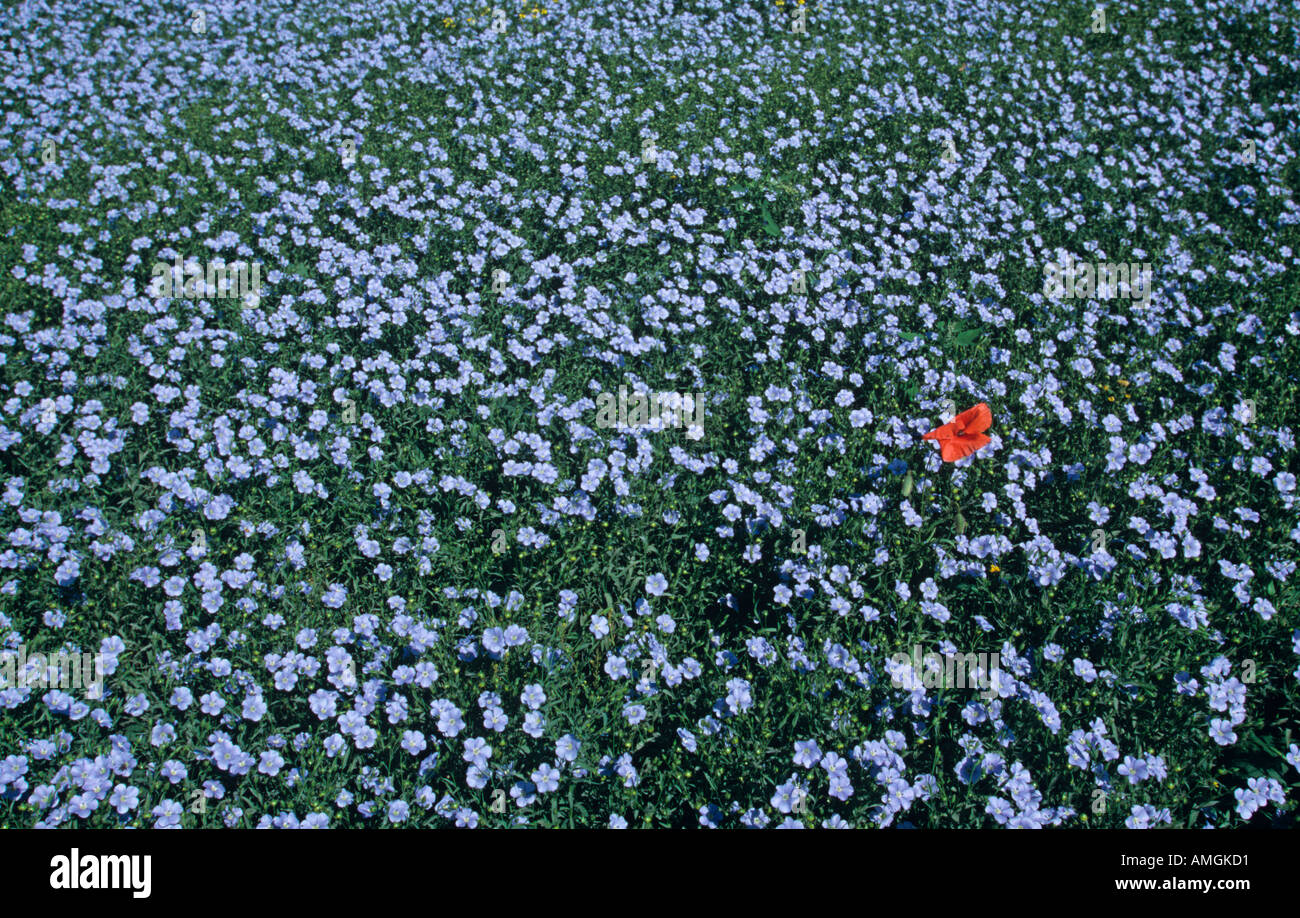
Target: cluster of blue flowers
x=354, y=549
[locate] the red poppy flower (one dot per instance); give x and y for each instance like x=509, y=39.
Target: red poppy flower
x=963, y=434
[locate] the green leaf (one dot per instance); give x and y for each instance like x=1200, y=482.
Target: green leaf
x=969, y=337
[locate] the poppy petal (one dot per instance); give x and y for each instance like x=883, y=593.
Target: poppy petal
x=978, y=441
x=964, y=434
x=954, y=449
x=974, y=420
x=960, y=447
x=942, y=432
